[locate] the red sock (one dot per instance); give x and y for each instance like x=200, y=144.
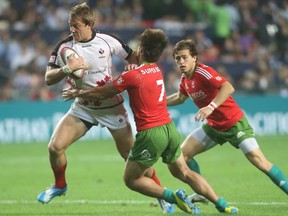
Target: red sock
x=59, y=176
x=155, y=178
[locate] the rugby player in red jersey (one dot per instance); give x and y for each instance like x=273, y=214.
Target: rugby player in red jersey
x=157, y=135
x=226, y=122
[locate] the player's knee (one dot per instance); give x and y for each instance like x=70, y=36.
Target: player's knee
x=55, y=149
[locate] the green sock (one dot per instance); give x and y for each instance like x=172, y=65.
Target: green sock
x=193, y=165
x=278, y=177
x=221, y=204
x=169, y=196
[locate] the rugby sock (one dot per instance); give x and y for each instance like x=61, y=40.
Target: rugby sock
x=155, y=178
x=59, y=176
x=279, y=178
x=193, y=165
x=169, y=196
x=221, y=204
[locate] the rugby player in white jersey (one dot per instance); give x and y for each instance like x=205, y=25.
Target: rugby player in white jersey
x=95, y=50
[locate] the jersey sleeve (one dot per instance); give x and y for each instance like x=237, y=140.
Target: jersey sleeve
x=125, y=81
x=53, y=60
x=217, y=79
x=117, y=46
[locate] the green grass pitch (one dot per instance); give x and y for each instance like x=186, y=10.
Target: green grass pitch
x=94, y=176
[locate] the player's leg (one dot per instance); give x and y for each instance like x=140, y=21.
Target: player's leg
x=135, y=179
x=196, y=143
x=254, y=154
x=180, y=170
x=68, y=130
x=249, y=146
x=124, y=141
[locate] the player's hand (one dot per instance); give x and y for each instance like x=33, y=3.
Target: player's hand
x=76, y=63
x=202, y=114
x=70, y=93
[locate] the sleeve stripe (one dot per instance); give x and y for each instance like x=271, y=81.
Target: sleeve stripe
x=204, y=73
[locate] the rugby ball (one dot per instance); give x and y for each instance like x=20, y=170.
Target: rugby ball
x=64, y=53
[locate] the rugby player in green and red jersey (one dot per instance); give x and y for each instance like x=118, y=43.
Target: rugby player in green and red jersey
x=157, y=135
x=225, y=121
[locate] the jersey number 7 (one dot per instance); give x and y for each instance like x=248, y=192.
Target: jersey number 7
x=160, y=82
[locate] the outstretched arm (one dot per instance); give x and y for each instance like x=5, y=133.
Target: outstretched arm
x=100, y=93
x=175, y=99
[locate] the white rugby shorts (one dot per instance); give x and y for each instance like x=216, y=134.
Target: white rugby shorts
x=113, y=118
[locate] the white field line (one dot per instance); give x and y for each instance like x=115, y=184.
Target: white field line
x=111, y=202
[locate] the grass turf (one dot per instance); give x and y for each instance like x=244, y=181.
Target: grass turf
x=94, y=176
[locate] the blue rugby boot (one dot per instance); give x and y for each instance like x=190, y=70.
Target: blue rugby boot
x=166, y=207
x=50, y=193
x=184, y=203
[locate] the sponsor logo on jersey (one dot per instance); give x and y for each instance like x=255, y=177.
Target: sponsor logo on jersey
x=94, y=71
x=101, y=51
x=197, y=95
x=87, y=45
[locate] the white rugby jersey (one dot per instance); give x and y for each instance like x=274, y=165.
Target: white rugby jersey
x=97, y=54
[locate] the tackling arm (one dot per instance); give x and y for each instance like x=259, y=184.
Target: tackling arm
x=99, y=93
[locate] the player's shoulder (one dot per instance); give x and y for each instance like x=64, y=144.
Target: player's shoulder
x=205, y=70
x=107, y=36
x=66, y=41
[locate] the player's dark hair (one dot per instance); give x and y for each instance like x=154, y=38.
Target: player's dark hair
x=152, y=43
x=185, y=44
x=84, y=13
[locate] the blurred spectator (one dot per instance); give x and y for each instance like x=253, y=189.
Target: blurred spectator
x=282, y=77
x=23, y=57
x=221, y=20
x=246, y=39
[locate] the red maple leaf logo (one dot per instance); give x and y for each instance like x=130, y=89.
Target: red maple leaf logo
x=103, y=82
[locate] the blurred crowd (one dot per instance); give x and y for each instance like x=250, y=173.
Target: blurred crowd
x=245, y=40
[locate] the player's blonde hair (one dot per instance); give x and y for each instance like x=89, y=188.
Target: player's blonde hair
x=84, y=13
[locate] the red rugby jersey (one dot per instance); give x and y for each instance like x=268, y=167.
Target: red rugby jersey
x=147, y=96
x=202, y=88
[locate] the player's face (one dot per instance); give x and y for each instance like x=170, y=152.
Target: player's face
x=185, y=62
x=79, y=30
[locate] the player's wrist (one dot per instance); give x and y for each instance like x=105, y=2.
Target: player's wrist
x=212, y=106
x=66, y=69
